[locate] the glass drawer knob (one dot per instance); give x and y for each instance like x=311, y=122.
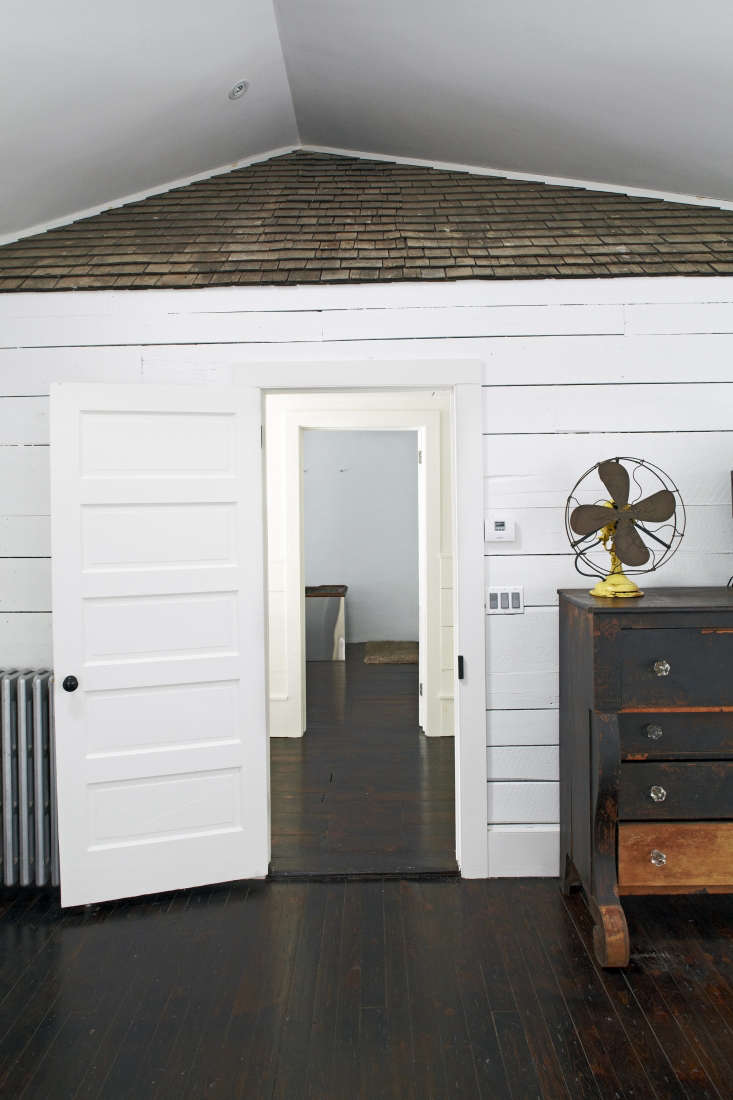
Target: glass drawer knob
x=662, y=667
x=653, y=732
x=658, y=858
x=657, y=794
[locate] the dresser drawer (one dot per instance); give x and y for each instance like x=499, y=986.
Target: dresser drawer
x=672, y=854
x=699, y=790
x=677, y=667
x=666, y=735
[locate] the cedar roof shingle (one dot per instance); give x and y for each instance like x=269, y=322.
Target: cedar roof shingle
x=320, y=218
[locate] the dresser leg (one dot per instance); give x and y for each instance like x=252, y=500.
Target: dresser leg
x=610, y=934
x=570, y=879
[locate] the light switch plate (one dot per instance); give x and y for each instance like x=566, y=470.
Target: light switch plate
x=505, y=600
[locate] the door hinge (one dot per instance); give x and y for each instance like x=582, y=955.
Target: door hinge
x=419, y=458
x=262, y=436
x=421, y=689
x=460, y=668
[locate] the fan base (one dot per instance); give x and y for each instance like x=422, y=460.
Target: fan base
x=616, y=586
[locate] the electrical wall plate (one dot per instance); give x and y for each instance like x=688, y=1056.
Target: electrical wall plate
x=505, y=600
x=499, y=527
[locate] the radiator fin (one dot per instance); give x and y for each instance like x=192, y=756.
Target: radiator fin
x=28, y=779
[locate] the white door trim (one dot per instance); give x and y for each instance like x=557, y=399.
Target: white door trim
x=472, y=835
x=463, y=377
x=427, y=422
x=343, y=375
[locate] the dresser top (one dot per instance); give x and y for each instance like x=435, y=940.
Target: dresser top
x=655, y=599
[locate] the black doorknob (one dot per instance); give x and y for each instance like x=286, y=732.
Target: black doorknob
x=70, y=683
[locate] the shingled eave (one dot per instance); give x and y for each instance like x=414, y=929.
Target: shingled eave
x=318, y=218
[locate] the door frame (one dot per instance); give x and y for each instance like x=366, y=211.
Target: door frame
x=286, y=497
x=462, y=377
x=426, y=426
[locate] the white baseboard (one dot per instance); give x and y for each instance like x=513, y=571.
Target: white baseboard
x=517, y=851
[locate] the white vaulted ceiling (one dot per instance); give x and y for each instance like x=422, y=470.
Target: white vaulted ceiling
x=633, y=92
x=100, y=101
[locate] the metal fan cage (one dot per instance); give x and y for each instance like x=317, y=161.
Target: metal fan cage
x=661, y=539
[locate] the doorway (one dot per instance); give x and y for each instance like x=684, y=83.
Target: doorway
x=362, y=756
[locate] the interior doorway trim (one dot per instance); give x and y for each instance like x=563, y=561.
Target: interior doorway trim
x=288, y=416
x=463, y=379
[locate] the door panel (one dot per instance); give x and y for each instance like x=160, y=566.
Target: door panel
x=140, y=535
x=159, y=613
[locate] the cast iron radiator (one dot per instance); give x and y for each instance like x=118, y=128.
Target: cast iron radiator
x=28, y=789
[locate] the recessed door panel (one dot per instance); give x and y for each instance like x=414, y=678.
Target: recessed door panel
x=162, y=807
x=160, y=626
x=159, y=443
x=168, y=717
x=158, y=535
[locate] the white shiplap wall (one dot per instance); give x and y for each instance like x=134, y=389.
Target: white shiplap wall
x=573, y=372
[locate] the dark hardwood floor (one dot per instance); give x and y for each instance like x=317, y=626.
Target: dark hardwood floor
x=330, y=990
x=363, y=989
x=364, y=791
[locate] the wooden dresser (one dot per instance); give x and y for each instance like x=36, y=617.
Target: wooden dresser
x=646, y=750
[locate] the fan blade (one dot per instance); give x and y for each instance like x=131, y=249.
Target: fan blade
x=587, y=518
x=628, y=543
x=656, y=508
x=616, y=479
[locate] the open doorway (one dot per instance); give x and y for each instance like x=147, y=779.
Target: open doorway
x=360, y=617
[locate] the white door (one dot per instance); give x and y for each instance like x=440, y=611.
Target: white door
x=158, y=612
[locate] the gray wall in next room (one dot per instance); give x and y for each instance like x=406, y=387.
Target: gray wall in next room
x=360, y=491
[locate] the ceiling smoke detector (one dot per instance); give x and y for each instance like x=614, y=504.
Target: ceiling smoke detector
x=239, y=89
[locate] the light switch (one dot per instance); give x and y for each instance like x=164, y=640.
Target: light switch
x=505, y=600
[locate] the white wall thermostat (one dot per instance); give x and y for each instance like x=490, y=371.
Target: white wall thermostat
x=498, y=527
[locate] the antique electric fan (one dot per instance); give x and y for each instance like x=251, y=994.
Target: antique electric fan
x=640, y=528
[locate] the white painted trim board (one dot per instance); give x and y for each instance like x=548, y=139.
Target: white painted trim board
x=531, y=177
x=444, y=166
x=637, y=290
x=137, y=196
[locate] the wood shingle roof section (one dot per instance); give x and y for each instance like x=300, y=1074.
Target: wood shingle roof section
x=320, y=218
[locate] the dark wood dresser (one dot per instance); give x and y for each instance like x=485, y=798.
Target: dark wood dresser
x=646, y=750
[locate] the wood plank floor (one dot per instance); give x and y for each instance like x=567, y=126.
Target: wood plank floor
x=362, y=989
x=364, y=791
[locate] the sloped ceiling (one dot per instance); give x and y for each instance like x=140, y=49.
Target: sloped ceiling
x=100, y=101
x=631, y=93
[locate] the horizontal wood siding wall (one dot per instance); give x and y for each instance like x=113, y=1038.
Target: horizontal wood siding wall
x=573, y=372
